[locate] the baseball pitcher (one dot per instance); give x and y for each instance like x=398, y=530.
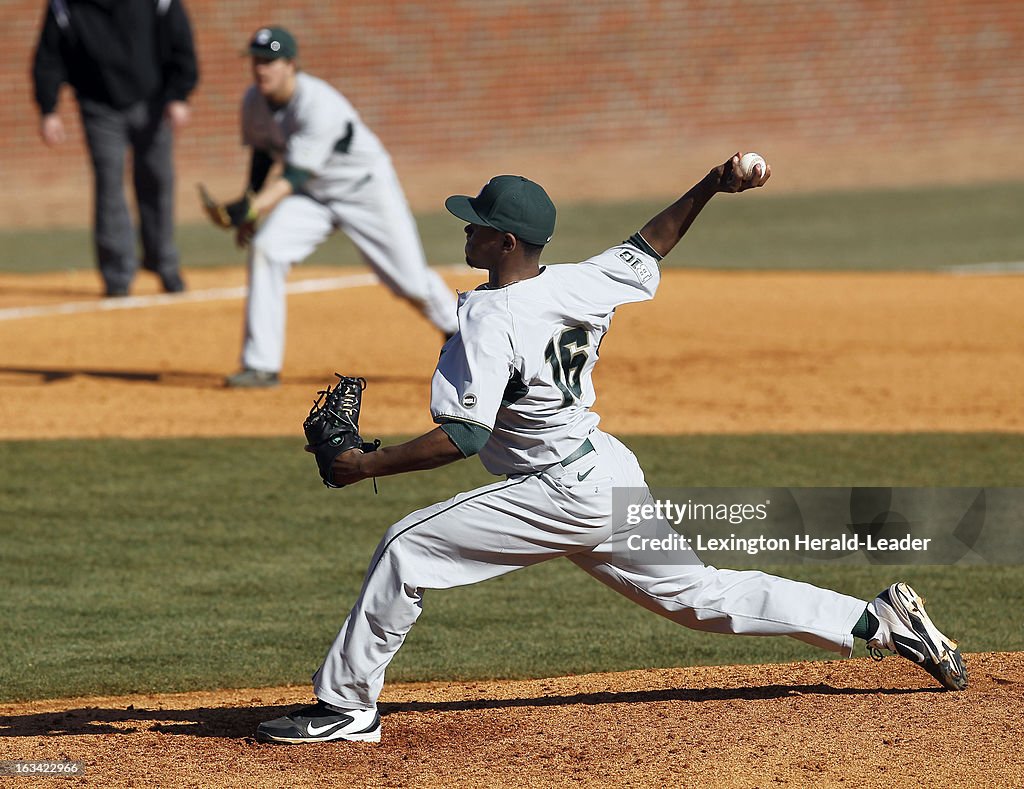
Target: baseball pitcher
x=515, y=386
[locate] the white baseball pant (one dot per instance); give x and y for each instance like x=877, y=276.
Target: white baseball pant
x=376, y=216
x=527, y=519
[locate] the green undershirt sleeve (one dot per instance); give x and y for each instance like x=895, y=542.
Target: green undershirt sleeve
x=296, y=177
x=469, y=438
x=640, y=243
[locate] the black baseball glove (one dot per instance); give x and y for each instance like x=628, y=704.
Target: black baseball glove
x=332, y=426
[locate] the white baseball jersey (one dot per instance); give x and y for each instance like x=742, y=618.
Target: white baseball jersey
x=318, y=131
x=521, y=366
x=521, y=363
x=352, y=186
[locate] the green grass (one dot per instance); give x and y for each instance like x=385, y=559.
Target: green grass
x=909, y=229
x=179, y=564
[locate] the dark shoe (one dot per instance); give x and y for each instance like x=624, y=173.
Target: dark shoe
x=172, y=283
x=116, y=291
x=252, y=379
x=321, y=723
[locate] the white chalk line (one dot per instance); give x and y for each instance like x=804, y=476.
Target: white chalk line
x=194, y=296
x=986, y=269
x=337, y=283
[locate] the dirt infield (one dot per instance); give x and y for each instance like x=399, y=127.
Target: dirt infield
x=823, y=724
x=715, y=352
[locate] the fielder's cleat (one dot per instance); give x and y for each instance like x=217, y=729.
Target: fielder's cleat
x=322, y=723
x=251, y=379
x=906, y=629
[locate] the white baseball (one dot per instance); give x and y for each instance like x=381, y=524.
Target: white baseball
x=750, y=160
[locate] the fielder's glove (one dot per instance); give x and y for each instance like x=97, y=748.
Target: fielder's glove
x=332, y=426
x=235, y=214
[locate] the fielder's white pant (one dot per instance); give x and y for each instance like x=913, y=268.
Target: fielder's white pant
x=376, y=216
x=527, y=519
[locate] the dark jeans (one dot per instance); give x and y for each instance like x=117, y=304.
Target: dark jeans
x=109, y=133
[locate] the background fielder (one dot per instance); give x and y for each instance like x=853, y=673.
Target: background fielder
x=335, y=174
x=515, y=385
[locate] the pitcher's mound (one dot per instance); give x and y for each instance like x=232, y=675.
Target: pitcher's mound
x=841, y=723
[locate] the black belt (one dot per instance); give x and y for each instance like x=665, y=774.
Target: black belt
x=584, y=449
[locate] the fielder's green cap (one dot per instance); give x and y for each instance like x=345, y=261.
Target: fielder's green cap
x=511, y=204
x=273, y=43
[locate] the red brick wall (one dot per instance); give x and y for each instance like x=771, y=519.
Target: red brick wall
x=604, y=98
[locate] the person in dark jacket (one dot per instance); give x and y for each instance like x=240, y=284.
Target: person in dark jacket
x=132, y=66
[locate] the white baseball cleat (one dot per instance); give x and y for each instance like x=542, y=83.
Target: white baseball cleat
x=906, y=629
x=322, y=723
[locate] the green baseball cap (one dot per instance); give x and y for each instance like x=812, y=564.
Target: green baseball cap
x=511, y=204
x=273, y=43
